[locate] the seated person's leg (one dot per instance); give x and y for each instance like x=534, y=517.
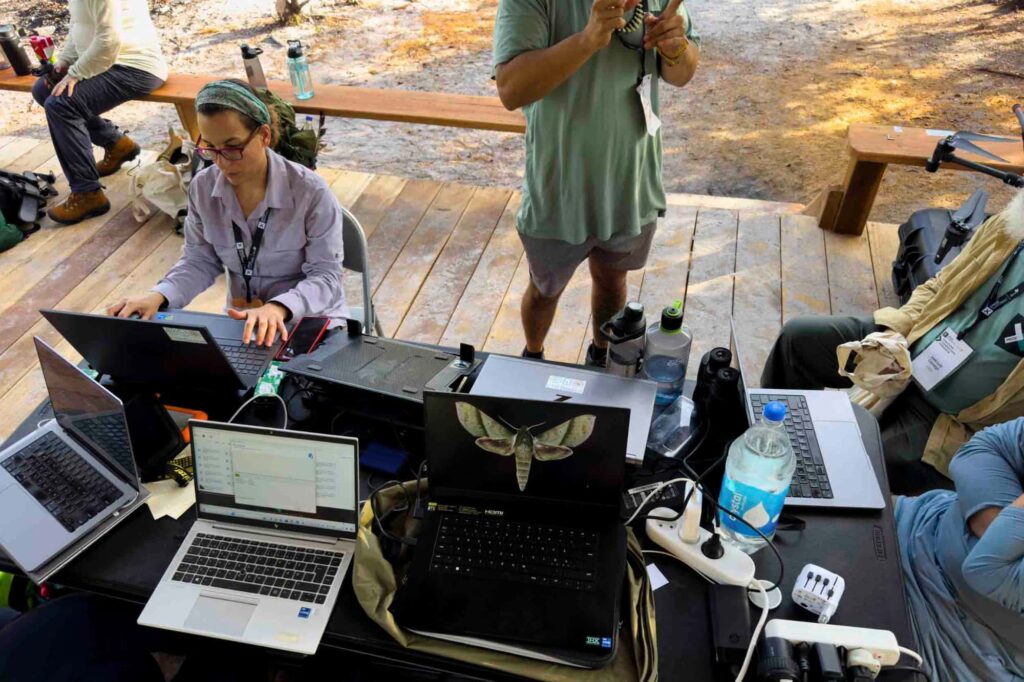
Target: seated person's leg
x=40, y=91
x=78, y=638
x=804, y=355
x=906, y=427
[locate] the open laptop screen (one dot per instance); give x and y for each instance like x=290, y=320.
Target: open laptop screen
x=290, y=480
x=509, y=450
x=88, y=412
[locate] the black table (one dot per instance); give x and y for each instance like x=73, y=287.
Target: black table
x=859, y=545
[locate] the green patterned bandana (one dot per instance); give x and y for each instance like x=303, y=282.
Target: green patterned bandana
x=234, y=96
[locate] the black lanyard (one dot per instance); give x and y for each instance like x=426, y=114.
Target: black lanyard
x=641, y=11
x=248, y=260
x=994, y=302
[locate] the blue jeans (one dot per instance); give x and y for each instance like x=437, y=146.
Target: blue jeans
x=75, y=123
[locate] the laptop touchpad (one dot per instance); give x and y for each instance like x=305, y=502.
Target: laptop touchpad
x=223, y=616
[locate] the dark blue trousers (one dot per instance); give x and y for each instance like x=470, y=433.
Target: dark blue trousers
x=75, y=123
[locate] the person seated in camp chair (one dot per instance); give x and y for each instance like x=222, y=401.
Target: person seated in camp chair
x=273, y=224
x=962, y=556
x=969, y=318
x=112, y=56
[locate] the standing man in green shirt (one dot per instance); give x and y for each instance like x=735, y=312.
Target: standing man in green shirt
x=586, y=73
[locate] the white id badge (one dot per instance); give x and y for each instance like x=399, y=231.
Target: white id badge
x=653, y=122
x=943, y=357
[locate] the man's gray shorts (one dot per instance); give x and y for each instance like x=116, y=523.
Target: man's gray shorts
x=553, y=261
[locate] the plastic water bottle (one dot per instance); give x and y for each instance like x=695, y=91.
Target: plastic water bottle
x=307, y=124
x=298, y=70
x=757, y=477
x=666, y=354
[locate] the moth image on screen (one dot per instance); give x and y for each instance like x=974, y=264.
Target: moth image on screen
x=501, y=438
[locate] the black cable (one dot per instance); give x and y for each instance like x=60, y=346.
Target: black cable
x=697, y=480
x=376, y=513
x=782, y=564
x=906, y=669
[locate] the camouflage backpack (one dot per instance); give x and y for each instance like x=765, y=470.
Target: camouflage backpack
x=294, y=143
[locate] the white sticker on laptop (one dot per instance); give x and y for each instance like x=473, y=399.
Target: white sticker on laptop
x=185, y=335
x=566, y=385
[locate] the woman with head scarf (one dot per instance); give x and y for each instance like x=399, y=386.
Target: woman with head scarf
x=272, y=224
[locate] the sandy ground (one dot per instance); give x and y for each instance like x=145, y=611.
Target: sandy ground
x=765, y=118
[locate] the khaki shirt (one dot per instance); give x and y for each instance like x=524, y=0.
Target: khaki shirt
x=940, y=297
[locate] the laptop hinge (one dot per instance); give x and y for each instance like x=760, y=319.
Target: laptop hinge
x=102, y=459
x=287, y=536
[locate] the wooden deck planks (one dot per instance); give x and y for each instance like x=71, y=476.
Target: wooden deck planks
x=475, y=312
x=709, y=292
x=375, y=201
x=411, y=267
x=54, y=249
x=885, y=242
x=851, y=276
x=805, y=280
x=92, y=291
x=430, y=312
x=403, y=218
x=506, y=333
x=30, y=390
x=449, y=268
x=757, y=302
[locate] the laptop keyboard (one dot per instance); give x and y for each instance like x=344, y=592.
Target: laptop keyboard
x=261, y=568
x=810, y=480
x=477, y=547
x=246, y=358
x=61, y=480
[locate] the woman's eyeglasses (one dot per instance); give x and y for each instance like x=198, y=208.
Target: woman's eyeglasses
x=226, y=153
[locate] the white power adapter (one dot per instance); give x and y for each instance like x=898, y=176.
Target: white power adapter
x=819, y=590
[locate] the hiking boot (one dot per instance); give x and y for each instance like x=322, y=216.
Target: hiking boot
x=530, y=355
x=116, y=155
x=79, y=206
x=596, y=357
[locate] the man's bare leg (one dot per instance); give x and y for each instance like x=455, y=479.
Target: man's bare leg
x=537, y=312
x=607, y=296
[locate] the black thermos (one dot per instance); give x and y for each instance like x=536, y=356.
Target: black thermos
x=10, y=42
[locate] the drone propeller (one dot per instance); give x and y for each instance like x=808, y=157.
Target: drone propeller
x=963, y=142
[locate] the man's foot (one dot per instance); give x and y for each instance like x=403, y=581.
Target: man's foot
x=79, y=206
x=529, y=354
x=596, y=357
x=116, y=155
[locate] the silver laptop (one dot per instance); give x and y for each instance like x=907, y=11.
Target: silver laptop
x=274, y=537
x=833, y=468
x=71, y=480
x=507, y=377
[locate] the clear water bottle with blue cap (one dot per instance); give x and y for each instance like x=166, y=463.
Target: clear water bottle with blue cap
x=757, y=476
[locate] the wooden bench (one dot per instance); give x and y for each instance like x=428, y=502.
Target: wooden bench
x=845, y=208
x=407, y=106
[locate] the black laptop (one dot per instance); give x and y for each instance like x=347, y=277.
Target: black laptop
x=174, y=348
x=522, y=548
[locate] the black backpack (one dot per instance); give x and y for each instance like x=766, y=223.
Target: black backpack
x=23, y=198
x=922, y=236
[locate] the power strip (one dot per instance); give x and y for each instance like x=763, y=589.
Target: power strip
x=881, y=643
x=733, y=568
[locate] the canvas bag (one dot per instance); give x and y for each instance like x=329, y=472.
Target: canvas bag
x=164, y=183
x=374, y=582
x=883, y=369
